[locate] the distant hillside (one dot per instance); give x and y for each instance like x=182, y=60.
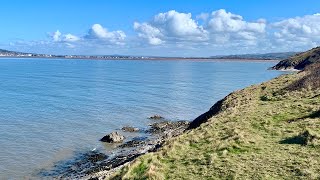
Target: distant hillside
x=13, y=53
x=267, y=56
x=300, y=61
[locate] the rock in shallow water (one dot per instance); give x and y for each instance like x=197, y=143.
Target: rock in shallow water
x=156, y=117
x=113, y=137
x=130, y=129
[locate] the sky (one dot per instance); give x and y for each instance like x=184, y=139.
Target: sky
x=159, y=27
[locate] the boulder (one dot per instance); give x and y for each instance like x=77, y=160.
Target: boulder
x=156, y=117
x=113, y=137
x=130, y=129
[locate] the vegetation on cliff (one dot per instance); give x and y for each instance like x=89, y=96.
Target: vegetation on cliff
x=300, y=60
x=266, y=131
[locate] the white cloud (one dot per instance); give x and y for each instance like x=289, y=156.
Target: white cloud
x=298, y=31
x=101, y=33
x=234, y=27
x=56, y=36
x=146, y=31
x=177, y=24
x=97, y=36
x=170, y=26
x=71, y=38
x=59, y=37
x=218, y=27
x=175, y=33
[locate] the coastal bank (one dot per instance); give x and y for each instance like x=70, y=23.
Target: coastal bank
x=265, y=131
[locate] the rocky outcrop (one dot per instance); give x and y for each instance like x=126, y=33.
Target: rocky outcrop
x=215, y=109
x=299, y=61
x=95, y=164
x=113, y=137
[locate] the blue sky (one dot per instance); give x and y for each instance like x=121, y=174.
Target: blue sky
x=159, y=27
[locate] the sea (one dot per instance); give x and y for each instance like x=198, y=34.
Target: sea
x=52, y=108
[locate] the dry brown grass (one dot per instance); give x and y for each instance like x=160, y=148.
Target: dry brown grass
x=310, y=81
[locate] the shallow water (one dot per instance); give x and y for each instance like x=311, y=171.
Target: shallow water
x=51, y=108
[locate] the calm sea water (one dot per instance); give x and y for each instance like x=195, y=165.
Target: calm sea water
x=51, y=108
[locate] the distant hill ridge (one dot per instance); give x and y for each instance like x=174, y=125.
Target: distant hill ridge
x=4, y=52
x=266, y=56
x=300, y=60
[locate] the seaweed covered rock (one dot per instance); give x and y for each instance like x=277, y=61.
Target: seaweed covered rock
x=168, y=128
x=113, y=137
x=130, y=129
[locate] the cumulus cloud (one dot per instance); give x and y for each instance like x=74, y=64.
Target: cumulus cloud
x=233, y=27
x=222, y=21
x=299, y=30
x=219, y=27
x=177, y=24
x=59, y=37
x=97, y=31
x=209, y=33
x=148, y=32
x=170, y=26
x=56, y=36
x=97, y=36
x=71, y=38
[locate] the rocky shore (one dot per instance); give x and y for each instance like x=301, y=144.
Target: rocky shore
x=252, y=133
x=98, y=165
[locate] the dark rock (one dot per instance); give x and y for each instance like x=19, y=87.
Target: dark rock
x=94, y=178
x=168, y=128
x=89, y=163
x=130, y=129
x=95, y=157
x=214, y=110
x=300, y=60
x=81, y=164
x=134, y=143
x=113, y=137
x=156, y=117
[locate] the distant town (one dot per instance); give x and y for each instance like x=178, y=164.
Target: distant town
x=267, y=56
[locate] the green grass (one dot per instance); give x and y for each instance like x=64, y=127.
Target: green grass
x=252, y=138
x=140, y=170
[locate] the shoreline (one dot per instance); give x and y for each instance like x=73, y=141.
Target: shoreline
x=148, y=59
x=97, y=163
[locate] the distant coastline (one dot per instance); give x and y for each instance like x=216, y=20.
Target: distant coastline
x=242, y=57
x=145, y=59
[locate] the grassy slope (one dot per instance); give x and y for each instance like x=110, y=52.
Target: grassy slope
x=258, y=135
